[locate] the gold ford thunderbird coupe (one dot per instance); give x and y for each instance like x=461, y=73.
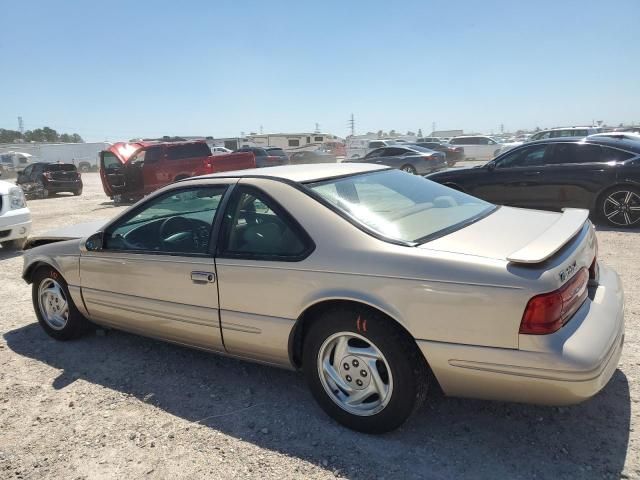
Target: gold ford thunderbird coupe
x=377, y=284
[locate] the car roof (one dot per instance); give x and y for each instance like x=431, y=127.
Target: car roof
x=629, y=145
x=302, y=173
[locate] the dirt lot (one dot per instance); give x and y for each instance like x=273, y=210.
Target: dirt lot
x=122, y=406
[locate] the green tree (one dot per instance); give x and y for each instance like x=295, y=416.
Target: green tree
x=9, y=136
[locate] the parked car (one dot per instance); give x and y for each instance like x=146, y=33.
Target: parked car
x=220, y=151
x=429, y=140
x=42, y=179
x=278, y=152
x=265, y=158
x=452, y=153
x=598, y=173
x=359, y=147
x=15, y=217
x=564, y=132
x=375, y=283
x=411, y=159
x=131, y=170
x=477, y=147
x=553, y=133
x=312, y=156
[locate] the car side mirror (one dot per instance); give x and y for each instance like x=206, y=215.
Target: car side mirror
x=491, y=166
x=94, y=242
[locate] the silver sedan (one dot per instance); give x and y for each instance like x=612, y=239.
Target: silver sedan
x=376, y=283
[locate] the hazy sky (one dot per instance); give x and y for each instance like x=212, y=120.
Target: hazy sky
x=116, y=70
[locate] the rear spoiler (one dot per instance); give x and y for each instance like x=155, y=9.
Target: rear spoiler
x=553, y=239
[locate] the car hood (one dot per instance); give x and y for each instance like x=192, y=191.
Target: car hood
x=514, y=234
x=79, y=230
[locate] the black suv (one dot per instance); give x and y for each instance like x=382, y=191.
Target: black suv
x=42, y=179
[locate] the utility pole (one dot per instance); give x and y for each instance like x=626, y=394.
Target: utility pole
x=502, y=128
x=317, y=130
x=352, y=125
x=20, y=125
x=260, y=129
x=433, y=128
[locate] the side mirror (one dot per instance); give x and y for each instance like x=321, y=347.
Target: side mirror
x=491, y=166
x=94, y=242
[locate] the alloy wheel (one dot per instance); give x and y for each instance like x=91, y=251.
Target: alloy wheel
x=355, y=374
x=53, y=304
x=622, y=207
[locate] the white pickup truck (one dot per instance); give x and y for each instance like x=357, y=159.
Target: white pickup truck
x=15, y=217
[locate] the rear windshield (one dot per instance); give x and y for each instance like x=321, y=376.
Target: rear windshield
x=402, y=206
x=276, y=152
x=60, y=167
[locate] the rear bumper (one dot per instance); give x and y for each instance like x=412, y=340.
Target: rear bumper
x=563, y=368
x=63, y=185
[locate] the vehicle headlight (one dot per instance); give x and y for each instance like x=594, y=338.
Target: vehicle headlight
x=16, y=198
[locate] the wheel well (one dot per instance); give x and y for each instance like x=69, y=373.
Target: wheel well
x=296, y=338
x=27, y=276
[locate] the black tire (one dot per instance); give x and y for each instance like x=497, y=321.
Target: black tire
x=77, y=192
x=407, y=366
x=409, y=169
x=625, y=218
x=43, y=191
x=76, y=324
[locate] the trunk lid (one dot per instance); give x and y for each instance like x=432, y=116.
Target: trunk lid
x=515, y=235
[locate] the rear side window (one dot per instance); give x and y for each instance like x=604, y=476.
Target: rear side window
x=60, y=167
x=188, y=150
x=277, y=152
x=575, y=153
x=257, y=227
x=376, y=144
x=614, y=155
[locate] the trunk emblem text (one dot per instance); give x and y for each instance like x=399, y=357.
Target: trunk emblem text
x=567, y=272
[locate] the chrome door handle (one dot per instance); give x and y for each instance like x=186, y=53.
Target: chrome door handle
x=203, y=277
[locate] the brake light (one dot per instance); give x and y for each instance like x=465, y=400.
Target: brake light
x=548, y=312
x=78, y=175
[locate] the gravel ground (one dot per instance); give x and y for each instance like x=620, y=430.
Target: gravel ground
x=122, y=406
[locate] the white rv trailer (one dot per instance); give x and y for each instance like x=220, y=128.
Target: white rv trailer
x=84, y=155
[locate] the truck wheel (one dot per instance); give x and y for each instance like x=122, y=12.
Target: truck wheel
x=56, y=312
x=363, y=370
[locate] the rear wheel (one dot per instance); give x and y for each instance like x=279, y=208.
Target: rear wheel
x=409, y=169
x=77, y=192
x=56, y=312
x=363, y=370
x=620, y=206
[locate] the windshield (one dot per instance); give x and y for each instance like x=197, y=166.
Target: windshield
x=60, y=167
x=401, y=206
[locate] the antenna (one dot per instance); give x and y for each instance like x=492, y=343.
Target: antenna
x=21, y=125
x=352, y=125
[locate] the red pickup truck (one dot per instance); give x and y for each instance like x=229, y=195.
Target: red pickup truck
x=131, y=170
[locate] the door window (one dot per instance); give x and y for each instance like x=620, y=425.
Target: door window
x=376, y=153
x=524, y=157
x=256, y=227
x=178, y=222
x=27, y=171
x=110, y=162
x=188, y=150
x=614, y=155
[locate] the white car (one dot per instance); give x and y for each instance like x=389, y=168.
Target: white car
x=477, y=147
x=565, y=132
x=220, y=151
x=15, y=217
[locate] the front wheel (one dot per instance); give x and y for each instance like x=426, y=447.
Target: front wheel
x=409, y=169
x=56, y=312
x=363, y=370
x=620, y=206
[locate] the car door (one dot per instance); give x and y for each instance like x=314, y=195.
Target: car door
x=574, y=173
x=261, y=253
x=513, y=178
x=155, y=272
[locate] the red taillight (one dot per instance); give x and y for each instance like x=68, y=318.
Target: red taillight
x=548, y=312
x=79, y=175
